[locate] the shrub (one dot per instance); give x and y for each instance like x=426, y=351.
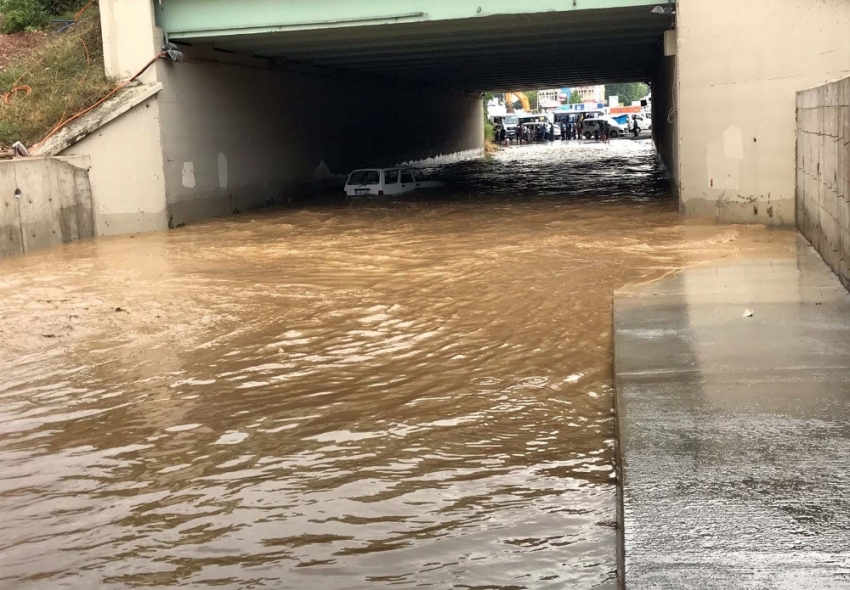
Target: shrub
x=28, y=15
x=488, y=128
x=61, y=6
x=23, y=15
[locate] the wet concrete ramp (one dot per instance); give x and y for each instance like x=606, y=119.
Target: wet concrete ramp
x=735, y=430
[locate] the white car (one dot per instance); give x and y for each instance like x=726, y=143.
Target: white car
x=590, y=125
x=387, y=181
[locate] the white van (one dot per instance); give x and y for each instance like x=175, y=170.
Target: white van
x=590, y=125
x=387, y=181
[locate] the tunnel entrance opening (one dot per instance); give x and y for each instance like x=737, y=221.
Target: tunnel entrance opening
x=302, y=94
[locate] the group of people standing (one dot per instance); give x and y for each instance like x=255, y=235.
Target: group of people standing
x=569, y=127
x=545, y=131
x=535, y=131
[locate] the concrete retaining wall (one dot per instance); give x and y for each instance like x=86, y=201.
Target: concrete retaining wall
x=44, y=201
x=823, y=172
x=126, y=173
x=740, y=66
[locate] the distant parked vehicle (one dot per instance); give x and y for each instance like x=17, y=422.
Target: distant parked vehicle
x=509, y=122
x=591, y=125
x=644, y=122
x=387, y=181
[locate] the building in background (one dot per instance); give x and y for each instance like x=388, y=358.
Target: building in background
x=590, y=93
x=549, y=99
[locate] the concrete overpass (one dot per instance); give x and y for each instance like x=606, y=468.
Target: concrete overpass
x=469, y=45
x=273, y=95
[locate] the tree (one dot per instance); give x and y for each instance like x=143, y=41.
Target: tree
x=575, y=97
x=627, y=93
x=532, y=98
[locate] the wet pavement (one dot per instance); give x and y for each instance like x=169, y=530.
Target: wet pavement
x=735, y=430
x=348, y=395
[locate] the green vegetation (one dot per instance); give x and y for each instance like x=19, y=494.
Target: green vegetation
x=532, y=98
x=575, y=98
x=627, y=92
x=488, y=127
x=31, y=15
x=54, y=82
x=489, y=143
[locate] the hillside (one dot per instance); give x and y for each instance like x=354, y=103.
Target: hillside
x=46, y=78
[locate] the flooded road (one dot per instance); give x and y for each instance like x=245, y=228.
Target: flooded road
x=357, y=395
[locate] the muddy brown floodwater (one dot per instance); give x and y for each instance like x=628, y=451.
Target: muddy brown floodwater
x=353, y=395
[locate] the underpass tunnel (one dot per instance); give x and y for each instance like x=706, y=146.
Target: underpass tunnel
x=256, y=114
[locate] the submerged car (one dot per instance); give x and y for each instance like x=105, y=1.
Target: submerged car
x=387, y=181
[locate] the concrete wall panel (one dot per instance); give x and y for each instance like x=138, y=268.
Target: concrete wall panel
x=127, y=172
x=44, y=201
x=823, y=192
x=11, y=239
x=740, y=66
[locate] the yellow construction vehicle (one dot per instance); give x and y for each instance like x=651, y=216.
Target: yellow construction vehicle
x=512, y=97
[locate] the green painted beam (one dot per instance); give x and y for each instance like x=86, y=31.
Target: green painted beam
x=442, y=43
x=207, y=19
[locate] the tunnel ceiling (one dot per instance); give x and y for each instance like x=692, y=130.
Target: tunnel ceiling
x=504, y=52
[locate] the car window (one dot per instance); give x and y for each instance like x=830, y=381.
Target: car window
x=418, y=176
x=391, y=176
x=406, y=177
x=360, y=177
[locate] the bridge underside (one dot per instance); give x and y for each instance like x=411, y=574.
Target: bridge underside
x=497, y=52
x=277, y=97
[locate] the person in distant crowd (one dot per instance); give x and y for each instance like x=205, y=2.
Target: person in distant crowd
x=580, y=128
x=550, y=131
x=606, y=130
x=596, y=132
x=636, y=126
x=519, y=134
x=563, y=130
x=503, y=136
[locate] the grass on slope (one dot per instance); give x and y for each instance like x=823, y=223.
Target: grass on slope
x=65, y=75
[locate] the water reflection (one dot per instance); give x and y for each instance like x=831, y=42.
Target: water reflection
x=405, y=392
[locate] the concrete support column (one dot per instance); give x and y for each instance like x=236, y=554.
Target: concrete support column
x=130, y=38
x=737, y=97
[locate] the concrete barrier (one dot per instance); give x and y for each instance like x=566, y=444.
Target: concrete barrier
x=823, y=172
x=44, y=201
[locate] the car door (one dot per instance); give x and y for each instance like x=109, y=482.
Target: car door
x=419, y=178
x=407, y=182
x=392, y=186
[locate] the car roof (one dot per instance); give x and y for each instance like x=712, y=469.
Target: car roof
x=385, y=169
